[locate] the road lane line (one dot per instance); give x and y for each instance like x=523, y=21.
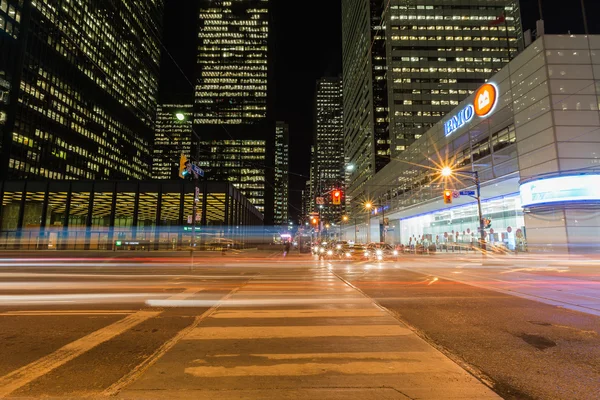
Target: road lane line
x=278, y=332
x=136, y=372
x=314, y=368
x=392, y=355
x=304, y=313
x=24, y=375
x=65, y=312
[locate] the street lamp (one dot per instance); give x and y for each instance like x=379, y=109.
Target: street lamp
x=344, y=219
x=448, y=172
x=350, y=167
x=368, y=205
x=180, y=116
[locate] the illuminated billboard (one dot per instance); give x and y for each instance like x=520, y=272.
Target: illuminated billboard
x=561, y=189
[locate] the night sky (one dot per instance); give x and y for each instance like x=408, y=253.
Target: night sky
x=307, y=45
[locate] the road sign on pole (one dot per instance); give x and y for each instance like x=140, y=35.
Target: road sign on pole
x=467, y=193
x=197, y=170
x=320, y=200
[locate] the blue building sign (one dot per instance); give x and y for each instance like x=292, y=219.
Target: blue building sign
x=456, y=121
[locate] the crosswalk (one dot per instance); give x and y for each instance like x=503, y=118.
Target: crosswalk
x=315, y=342
x=297, y=332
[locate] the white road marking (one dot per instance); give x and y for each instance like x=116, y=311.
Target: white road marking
x=252, y=302
x=24, y=375
x=275, y=332
x=338, y=312
x=66, y=312
x=317, y=368
x=135, y=373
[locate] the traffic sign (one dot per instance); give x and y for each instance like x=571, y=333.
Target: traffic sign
x=320, y=200
x=197, y=170
x=467, y=193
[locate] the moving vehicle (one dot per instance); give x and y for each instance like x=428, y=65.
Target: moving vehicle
x=381, y=252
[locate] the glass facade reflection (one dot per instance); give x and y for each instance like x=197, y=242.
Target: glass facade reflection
x=94, y=214
x=460, y=225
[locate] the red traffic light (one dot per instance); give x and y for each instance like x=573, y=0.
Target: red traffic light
x=447, y=196
x=337, y=196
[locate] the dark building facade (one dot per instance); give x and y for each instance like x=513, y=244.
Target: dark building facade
x=232, y=99
x=81, y=215
x=79, y=83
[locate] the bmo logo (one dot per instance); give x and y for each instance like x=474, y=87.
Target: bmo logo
x=485, y=101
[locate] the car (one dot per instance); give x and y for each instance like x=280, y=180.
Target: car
x=356, y=252
x=382, y=252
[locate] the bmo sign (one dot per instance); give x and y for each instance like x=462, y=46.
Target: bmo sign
x=485, y=101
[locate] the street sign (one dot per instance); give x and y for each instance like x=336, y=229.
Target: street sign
x=320, y=200
x=455, y=194
x=467, y=193
x=197, y=170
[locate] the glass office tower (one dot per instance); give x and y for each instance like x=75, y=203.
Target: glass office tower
x=282, y=152
x=232, y=112
x=82, y=79
x=406, y=63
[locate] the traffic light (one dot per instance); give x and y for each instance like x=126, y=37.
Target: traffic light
x=336, y=197
x=447, y=196
x=183, y=166
x=314, y=220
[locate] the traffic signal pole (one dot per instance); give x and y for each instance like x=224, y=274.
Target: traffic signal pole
x=481, y=227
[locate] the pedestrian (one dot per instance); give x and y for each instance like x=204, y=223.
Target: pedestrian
x=286, y=249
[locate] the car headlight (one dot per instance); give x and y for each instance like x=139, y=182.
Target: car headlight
x=395, y=252
x=329, y=253
x=321, y=250
x=379, y=258
x=339, y=246
x=348, y=255
x=379, y=252
x=366, y=254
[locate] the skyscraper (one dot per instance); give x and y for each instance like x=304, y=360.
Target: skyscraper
x=232, y=112
x=329, y=144
x=172, y=137
x=79, y=88
x=407, y=63
x=281, y=173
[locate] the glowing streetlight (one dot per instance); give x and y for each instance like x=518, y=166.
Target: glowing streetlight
x=368, y=205
x=345, y=218
x=180, y=116
x=350, y=167
x=446, y=171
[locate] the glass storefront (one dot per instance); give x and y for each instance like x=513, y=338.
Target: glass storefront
x=86, y=215
x=459, y=225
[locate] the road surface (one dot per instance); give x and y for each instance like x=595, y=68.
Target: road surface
x=294, y=328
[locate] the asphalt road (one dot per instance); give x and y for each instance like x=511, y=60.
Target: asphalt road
x=294, y=328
